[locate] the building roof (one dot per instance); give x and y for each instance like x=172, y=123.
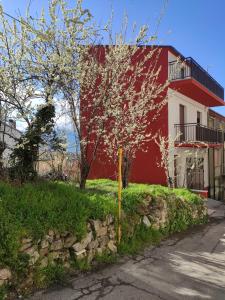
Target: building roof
x=7, y=124
x=216, y=115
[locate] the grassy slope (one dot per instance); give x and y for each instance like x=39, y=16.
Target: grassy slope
x=42, y=206
x=33, y=209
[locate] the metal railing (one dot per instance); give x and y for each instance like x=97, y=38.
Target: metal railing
x=193, y=132
x=189, y=68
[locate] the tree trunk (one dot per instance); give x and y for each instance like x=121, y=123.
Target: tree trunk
x=84, y=171
x=83, y=181
x=125, y=172
x=170, y=182
x=2, y=149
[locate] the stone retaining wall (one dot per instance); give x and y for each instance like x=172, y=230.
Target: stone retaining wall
x=65, y=247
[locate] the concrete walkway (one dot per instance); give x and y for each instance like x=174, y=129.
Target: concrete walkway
x=188, y=266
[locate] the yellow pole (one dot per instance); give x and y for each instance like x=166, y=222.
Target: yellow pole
x=119, y=192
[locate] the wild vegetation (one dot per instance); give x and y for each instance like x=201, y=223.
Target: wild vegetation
x=34, y=209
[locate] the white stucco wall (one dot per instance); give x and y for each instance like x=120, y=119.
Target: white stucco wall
x=10, y=136
x=191, y=107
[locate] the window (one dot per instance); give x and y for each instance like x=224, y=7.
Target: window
x=211, y=122
x=182, y=122
x=182, y=72
x=182, y=114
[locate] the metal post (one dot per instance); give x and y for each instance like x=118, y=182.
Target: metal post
x=119, y=192
x=222, y=171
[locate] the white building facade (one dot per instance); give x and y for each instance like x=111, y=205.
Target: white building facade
x=8, y=137
x=197, y=156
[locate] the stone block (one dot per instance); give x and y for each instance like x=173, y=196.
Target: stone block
x=51, y=233
x=112, y=247
x=87, y=239
x=78, y=247
x=146, y=221
x=49, y=238
x=103, y=240
x=30, y=251
x=24, y=247
x=34, y=258
x=93, y=244
x=5, y=274
x=80, y=254
x=70, y=241
x=101, y=231
x=57, y=245
x=44, y=243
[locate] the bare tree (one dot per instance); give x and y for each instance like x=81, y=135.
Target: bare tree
x=168, y=146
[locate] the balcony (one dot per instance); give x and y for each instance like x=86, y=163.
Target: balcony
x=189, y=77
x=193, y=133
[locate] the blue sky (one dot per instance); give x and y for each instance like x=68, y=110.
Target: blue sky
x=195, y=27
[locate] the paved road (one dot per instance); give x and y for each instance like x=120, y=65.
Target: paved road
x=188, y=266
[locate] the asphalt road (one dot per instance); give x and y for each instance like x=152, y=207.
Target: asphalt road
x=188, y=266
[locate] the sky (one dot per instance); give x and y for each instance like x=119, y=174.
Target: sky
x=195, y=27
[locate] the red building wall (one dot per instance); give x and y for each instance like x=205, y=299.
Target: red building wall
x=144, y=167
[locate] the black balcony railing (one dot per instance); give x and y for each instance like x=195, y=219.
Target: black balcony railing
x=189, y=68
x=192, y=132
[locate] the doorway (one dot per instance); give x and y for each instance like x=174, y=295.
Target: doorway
x=182, y=123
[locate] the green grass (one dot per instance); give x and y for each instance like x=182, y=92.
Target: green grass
x=34, y=208
x=106, y=258
x=142, y=237
x=3, y=293
x=81, y=264
x=39, y=207
x=51, y=274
